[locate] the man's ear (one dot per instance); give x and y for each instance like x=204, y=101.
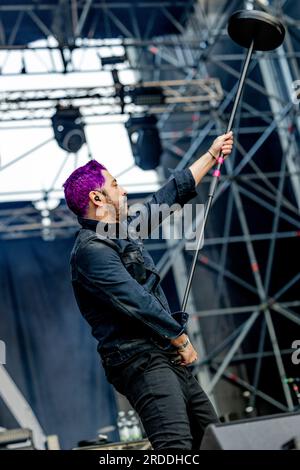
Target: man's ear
x=96, y=197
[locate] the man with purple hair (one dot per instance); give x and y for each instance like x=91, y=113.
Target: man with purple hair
x=144, y=347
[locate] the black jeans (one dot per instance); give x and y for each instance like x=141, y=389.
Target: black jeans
x=169, y=400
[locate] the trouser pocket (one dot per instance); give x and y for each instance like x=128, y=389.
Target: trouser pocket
x=121, y=375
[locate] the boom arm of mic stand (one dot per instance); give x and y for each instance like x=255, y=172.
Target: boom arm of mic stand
x=217, y=174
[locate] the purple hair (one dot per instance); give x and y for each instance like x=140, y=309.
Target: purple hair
x=84, y=179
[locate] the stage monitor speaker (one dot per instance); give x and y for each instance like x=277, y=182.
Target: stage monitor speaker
x=266, y=433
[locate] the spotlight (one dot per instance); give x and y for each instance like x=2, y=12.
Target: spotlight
x=45, y=206
x=147, y=96
x=145, y=141
x=68, y=128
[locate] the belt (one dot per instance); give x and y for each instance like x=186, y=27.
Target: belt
x=174, y=357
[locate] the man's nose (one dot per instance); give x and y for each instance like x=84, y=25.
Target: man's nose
x=124, y=192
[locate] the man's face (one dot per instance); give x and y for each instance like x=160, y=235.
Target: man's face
x=114, y=195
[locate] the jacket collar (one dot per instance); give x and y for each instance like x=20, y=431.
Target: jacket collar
x=101, y=228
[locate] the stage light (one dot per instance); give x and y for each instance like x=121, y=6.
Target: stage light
x=147, y=96
x=145, y=141
x=68, y=128
x=46, y=204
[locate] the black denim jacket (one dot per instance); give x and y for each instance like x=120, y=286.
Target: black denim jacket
x=127, y=315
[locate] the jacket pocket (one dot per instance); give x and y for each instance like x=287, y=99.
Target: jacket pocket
x=133, y=261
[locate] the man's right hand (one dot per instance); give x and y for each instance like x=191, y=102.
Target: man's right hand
x=188, y=355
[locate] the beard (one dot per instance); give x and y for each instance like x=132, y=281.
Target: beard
x=123, y=209
x=118, y=209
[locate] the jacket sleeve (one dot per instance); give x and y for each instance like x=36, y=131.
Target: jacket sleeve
x=179, y=189
x=104, y=274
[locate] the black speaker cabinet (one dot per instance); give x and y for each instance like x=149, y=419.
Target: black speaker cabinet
x=266, y=433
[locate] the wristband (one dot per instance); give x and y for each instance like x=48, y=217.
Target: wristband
x=216, y=158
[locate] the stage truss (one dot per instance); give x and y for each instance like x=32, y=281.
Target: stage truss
x=186, y=57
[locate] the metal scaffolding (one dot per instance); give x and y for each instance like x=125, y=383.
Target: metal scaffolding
x=202, y=46
x=30, y=105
